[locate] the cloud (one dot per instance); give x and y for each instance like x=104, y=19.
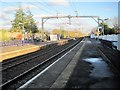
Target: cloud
x=59, y=2
x=5, y=27
x=4, y=17
x=25, y=7
x=12, y=9
x=106, y=8
x=48, y=15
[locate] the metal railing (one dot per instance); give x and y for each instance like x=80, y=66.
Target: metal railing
x=14, y=43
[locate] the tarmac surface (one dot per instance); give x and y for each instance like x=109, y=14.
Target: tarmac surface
x=91, y=70
x=82, y=67
x=47, y=77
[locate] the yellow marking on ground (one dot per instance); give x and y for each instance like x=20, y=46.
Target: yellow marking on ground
x=14, y=51
x=21, y=51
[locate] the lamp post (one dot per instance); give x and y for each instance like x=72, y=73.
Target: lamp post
x=23, y=32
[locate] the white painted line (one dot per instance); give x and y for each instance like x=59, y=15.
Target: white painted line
x=31, y=80
x=64, y=76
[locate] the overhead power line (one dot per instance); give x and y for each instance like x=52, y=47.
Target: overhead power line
x=52, y=9
x=43, y=8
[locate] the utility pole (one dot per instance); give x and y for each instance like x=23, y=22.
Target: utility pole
x=76, y=13
x=103, y=27
x=69, y=17
x=57, y=14
x=42, y=30
x=98, y=29
x=23, y=32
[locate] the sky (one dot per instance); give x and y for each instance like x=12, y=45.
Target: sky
x=101, y=8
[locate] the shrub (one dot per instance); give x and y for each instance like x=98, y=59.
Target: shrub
x=4, y=35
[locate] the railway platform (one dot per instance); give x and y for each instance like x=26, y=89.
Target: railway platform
x=17, y=50
x=14, y=51
x=84, y=66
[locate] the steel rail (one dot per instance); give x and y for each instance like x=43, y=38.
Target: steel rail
x=19, y=57
x=19, y=77
x=26, y=60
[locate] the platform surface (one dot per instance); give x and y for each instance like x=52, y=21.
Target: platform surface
x=81, y=67
x=8, y=52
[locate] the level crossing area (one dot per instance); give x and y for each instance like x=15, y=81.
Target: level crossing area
x=74, y=63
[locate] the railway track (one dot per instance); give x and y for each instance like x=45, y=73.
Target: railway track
x=30, y=62
x=24, y=58
x=24, y=75
x=21, y=60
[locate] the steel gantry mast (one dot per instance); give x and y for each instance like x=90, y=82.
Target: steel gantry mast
x=44, y=19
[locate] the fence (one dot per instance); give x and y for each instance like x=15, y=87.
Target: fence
x=108, y=40
x=14, y=42
x=108, y=44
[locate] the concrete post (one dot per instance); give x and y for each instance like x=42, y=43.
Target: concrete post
x=118, y=47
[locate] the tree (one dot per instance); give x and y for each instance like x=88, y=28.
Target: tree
x=30, y=23
x=67, y=33
x=26, y=21
x=4, y=35
x=15, y=30
x=56, y=31
x=115, y=24
x=107, y=29
x=19, y=20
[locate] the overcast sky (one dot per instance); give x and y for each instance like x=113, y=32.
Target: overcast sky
x=101, y=8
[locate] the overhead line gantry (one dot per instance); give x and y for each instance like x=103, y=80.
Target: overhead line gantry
x=44, y=19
